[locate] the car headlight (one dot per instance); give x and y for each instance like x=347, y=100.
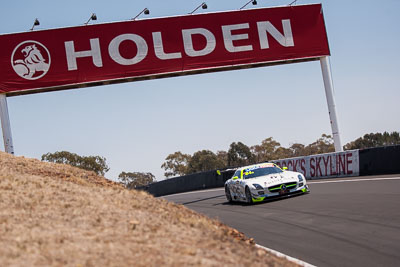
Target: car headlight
x=258, y=187
x=300, y=178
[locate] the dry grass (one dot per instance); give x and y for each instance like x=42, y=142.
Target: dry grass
x=57, y=215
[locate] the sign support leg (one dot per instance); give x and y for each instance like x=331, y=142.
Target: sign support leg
x=326, y=74
x=5, y=125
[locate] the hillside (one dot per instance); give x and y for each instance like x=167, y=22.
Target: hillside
x=57, y=215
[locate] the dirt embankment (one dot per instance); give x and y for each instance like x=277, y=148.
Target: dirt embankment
x=54, y=214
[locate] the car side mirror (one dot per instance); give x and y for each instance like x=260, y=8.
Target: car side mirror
x=284, y=168
x=235, y=178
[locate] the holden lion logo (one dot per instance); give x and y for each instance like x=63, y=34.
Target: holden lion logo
x=30, y=60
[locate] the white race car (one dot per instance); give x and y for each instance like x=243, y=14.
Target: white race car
x=257, y=182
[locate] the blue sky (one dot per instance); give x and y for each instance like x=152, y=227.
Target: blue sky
x=136, y=125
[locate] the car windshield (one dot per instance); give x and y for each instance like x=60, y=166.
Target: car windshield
x=256, y=172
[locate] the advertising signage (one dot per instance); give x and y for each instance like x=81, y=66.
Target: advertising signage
x=56, y=59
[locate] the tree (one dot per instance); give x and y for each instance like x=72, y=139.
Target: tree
x=239, y=155
x=323, y=145
x=204, y=160
x=374, y=140
x=297, y=150
x=266, y=151
x=282, y=153
x=223, y=157
x=175, y=164
x=91, y=163
x=136, y=179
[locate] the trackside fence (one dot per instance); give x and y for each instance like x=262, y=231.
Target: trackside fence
x=372, y=161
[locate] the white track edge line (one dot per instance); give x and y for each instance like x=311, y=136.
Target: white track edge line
x=352, y=180
x=281, y=255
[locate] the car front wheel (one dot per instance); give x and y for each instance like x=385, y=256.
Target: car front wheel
x=228, y=194
x=249, y=198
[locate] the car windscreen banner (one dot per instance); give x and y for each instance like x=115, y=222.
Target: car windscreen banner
x=97, y=54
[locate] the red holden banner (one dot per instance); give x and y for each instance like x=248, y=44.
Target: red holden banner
x=339, y=164
x=125, y=51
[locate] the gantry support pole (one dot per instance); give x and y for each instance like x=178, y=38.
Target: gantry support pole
x=326, y=74
x=5, y=125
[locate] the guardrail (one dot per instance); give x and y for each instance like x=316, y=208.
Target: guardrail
x=380, y=160
x=372, y=161
x=196, y=181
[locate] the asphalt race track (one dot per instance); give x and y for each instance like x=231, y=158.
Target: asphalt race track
x=342, y=222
